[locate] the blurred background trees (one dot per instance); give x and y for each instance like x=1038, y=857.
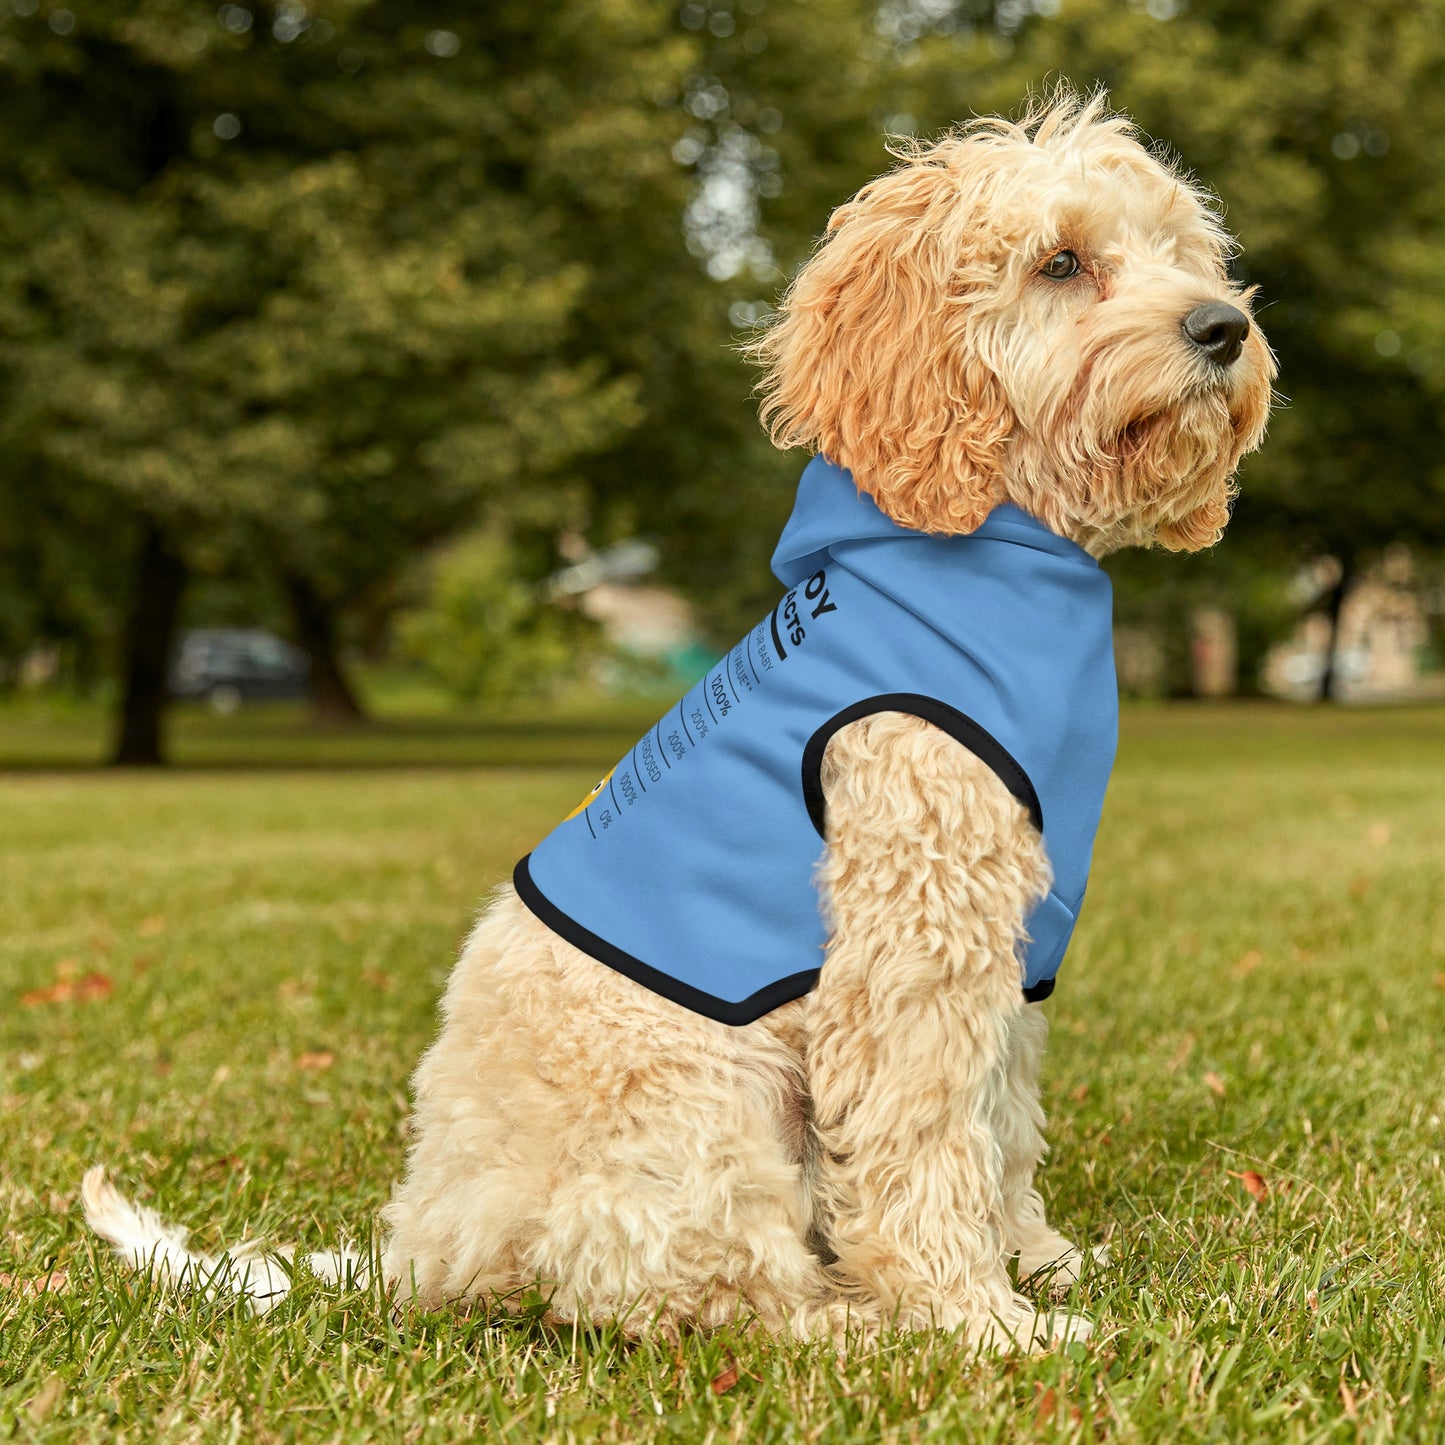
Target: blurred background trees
x=293, y=295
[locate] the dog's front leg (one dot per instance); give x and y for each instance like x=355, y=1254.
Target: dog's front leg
x=1042, y=1251
x=930, y=868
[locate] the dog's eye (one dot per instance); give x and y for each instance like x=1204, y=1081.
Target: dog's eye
x=1060, y=266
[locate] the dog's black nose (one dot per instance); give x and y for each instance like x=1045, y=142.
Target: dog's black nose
x=1218, y=331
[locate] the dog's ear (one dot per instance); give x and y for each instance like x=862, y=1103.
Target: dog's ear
x=874, y=360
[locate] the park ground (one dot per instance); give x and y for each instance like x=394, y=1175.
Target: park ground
x=216, y=980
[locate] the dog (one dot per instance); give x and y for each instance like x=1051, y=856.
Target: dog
x=1021, y=343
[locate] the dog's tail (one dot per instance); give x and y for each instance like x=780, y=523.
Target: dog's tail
x=147, y=1243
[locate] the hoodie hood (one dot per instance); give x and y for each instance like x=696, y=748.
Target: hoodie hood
x=831, y=511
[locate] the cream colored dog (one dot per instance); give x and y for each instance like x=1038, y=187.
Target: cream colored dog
x=1037, y=313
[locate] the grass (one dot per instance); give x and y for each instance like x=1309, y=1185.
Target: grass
x=217, y=980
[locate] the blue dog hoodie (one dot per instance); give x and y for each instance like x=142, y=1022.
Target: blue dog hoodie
x=690, y=866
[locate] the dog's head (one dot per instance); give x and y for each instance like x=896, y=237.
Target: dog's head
x=1035, y=312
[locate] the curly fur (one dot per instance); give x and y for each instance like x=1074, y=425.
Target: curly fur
x=921, y=348
x=866, y=1155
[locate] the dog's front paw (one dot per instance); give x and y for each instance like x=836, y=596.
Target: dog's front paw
x=1023, y=1326
x=1057, y=1267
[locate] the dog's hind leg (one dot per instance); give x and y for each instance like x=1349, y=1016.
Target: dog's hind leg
x=577, y=1135
x=679, y=1195
x=1018, y=1125
x=930, y=869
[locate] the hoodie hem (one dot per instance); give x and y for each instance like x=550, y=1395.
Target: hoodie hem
x=724, y=1011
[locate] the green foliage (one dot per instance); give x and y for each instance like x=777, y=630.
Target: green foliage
x=486, y=633
x=317, y=286
x=309, y=286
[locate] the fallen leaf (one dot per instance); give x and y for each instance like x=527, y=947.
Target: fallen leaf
x=151, y=927
x=56, y=1282
x=1214, y=1083
x=45, y=1399
x=1181, y=1054
x=83, y=990
x=1254, y=1183
x=724, y=1382
x=320, y=1059
x=1046, y=1408
x=56, y=993
x=1248, y=963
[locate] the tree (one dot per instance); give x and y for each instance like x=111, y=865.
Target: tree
x=309, y=288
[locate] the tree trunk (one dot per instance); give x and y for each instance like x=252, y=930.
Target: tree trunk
x=333, y=699
x=1329, y=680
x=150, y=631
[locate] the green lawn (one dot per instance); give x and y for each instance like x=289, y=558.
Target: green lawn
x=217, y=979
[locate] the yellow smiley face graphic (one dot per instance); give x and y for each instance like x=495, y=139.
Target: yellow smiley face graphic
x=585, y=803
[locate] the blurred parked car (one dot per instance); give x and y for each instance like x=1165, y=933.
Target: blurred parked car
x=230, y=665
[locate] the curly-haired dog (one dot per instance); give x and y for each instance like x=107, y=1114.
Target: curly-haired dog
x=666, y=1086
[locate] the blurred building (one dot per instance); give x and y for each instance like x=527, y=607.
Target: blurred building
x=1382, y=650
x=652, y=629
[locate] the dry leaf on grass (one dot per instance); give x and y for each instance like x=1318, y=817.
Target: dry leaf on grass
x=724, y=1382
x=45, y=1399
x=320, y=1059
x=1046, y=1407
x=1254, y=1183
x=66, y=990
x=1214, y=1083
x=56, y=1282
x=1181, y=1054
